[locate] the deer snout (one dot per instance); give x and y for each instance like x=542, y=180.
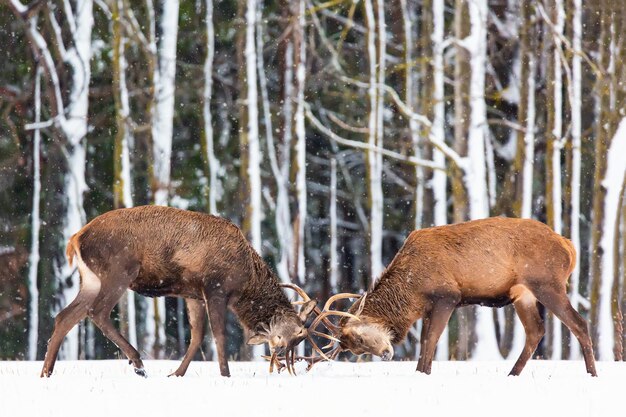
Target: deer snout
x=387, y=354
x=278, y=344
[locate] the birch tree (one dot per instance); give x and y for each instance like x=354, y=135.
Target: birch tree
x=249, y=132
x=163, y=74
x=470, y=187
x=554, y=142
x=576, y=115
x=33, y=261
x=211, y=161
x=69, y=120
x=122, y=196
x=376, y=59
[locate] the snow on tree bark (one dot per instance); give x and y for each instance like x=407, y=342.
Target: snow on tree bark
x=33, y=260
x=612, y=183
x=74, y=127
x=474, y=178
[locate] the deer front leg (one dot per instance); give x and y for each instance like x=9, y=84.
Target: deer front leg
x=216, y=308
x=196, y=312
x=437, y=320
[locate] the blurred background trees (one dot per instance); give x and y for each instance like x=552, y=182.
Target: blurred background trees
x=327, y=130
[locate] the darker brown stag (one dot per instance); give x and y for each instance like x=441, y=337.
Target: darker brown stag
x=161, y=251
x=491, y=262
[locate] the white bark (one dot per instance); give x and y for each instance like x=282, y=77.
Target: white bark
x=286, y=263
x=576, y=114
x=301, y=145
x=164, y=77
x=475, y=177
x=612, y=183
x=439, y=181
x=206, y=109
x=529, y=141
x=254, y=159
x=74, y=128
x=556, y=154
x=334, y=261
x=162, y=128
x=33, y=261
x=126, y=178
x=407, y=26
x=374, y=160
x=254, y=151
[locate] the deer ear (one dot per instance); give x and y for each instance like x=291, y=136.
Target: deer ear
x=306, y=310
x=257, y=339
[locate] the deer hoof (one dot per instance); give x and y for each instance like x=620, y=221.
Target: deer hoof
x=176, y=374
x=141, y=372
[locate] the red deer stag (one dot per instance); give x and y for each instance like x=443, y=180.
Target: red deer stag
x=491, y=262
x=161, y=251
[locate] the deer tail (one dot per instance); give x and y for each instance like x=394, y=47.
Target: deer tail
x=569, y=247
x=71, y=249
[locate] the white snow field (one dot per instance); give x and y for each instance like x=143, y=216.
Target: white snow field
x=110, y=388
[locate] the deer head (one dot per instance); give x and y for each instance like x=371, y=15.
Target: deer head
x=285, y=331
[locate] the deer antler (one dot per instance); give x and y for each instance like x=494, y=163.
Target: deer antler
x=322, y=317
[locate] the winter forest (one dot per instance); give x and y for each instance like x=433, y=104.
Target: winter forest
x=327, y=130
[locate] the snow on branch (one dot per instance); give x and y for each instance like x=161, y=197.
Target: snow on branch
x=361, y=145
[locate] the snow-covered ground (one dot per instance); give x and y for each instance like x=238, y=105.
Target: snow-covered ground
x=110, y=388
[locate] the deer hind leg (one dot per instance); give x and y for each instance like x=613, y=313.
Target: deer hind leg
x=111, y=292
x=434, y=324
x=71, y=315
x=555, y=299
x=526, y=308
x=196, y=312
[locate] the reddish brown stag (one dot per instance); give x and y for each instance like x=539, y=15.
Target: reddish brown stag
x=161, y=251
x=491, y=262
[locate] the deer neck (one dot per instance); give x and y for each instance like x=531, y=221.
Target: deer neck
x=261, y=299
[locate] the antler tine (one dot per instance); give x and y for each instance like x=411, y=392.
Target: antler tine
x=316, y=348
x=297, y=289
x=305, y=298
x=339, y=296
x=325, y=314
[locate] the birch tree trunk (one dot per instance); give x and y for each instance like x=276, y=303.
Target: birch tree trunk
x=410, y=99
x=300, y=135
x=163, y=78
x=122, y=196
x=376, y=59
x=33, y=260
x=576, y=115
x=609, y=173
x=470, y=189
x=249, y=133
x=211, y=162
x=554, y=108
x=78, y=57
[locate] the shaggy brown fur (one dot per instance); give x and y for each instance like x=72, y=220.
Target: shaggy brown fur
x=162, y=251
x=491, y=262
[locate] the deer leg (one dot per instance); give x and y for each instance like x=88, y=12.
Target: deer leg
x=438, y=319
x=63, y=323
x=423, y=337
x=72, y=314
x=526, y=308
x=196, y=313
x=216, y=308
x=111, y=292
x=557, y=302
